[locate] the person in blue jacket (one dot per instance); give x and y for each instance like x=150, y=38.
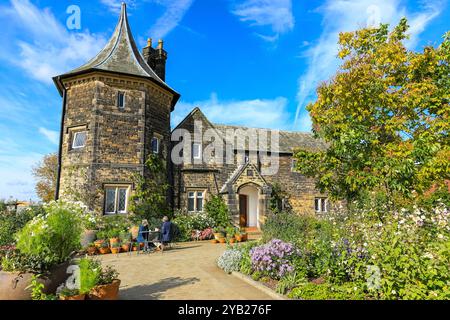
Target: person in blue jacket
x=143, y=233
x=166, y=232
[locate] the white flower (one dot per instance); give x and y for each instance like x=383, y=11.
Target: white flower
x=394, y=292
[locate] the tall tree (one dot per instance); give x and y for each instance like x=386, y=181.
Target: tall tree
x=46, y=172
x=385, y=117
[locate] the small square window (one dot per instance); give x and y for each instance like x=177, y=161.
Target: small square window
x=79, y=139
x=196, y=151
x=121, y=100
x=321, y=205
x=155, y=145
x=249, y=173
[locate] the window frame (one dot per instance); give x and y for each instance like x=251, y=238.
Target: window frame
x=199, y=157
x=322, y=206
x=157, y=139
x=195, y=198
x=73, y=137
x=117, y=189
x=121, y=93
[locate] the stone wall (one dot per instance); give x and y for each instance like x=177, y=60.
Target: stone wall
x=118, y=140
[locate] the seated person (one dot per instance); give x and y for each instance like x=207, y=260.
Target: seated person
x=143, y=232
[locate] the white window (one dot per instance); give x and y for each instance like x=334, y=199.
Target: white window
x=116, y=199
x=195, y=201
x=79, y=139
x=196, y=151
x=121, y=100
x=294, y=165
x=155, y=145
x=321, y=204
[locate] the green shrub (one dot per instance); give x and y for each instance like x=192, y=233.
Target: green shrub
x=187, y=222
x=326, y=291
x=53, y=236
x=89, y=274
x=289, y=282
x=217, y=210
x=13, y=221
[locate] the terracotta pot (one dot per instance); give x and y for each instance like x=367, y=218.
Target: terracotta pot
x=104, y=250
x=113, y=240
x=98, y=243
x=105, y=292
x=135, y=248
x=77, y=297
x=222, y=240
x=232, y=240
x=87, y=237
x=115, y=250
x=214, y=241
x=13, y=285
x=244, y=236
x=91, y=250
x=125, y=247
x=238, y=238
x=218, y=235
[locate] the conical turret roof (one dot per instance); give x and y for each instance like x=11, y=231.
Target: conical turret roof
x=120, y=55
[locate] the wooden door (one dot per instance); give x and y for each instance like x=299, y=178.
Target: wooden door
x=243, y=210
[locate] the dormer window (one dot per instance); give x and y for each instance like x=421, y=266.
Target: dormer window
x=79, y=139
x=121, y=100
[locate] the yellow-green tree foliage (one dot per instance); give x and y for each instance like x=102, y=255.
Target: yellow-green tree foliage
x=384, y=115
x=46, y=173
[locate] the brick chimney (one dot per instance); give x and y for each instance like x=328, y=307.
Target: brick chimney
x=156, y=58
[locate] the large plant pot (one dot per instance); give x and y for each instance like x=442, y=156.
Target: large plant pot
x=87, y=237
x=13, y=285
x=218, y=235
x=105, y=292
x=77, y=297
x=113, y=240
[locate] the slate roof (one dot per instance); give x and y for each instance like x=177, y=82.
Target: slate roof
x=288, y=140
x=121, y=55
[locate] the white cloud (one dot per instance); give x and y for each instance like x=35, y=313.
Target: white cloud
x=257, y=113
x=174, y=13
x=52, y=136
x=49, y=49
x=348, y=15
x=277, y=14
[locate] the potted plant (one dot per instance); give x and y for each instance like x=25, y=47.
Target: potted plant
x=104, y=248
x=113, y=237
x=71, y=294
x=243, y=234
x=91, y=249
x=115, y=247
x=135, y=246
x=219, y=233
x=125, y=240
x=90, y=221
x=107, y=287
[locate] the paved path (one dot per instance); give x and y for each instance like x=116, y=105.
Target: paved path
x=188, y=271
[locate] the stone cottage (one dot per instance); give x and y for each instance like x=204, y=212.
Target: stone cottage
x=116, y=112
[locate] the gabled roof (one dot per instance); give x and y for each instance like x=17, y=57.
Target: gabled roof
x=120, y=55
x=288, y=140
x=237, y=173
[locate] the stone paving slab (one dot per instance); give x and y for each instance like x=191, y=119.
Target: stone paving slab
x=188, y=271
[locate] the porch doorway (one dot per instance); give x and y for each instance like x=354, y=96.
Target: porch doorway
x=249, y=206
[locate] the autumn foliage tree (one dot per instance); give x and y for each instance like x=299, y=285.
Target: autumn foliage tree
x=46, y=172
x=385, y=117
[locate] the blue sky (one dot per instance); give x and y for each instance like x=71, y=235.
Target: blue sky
x=249, y=62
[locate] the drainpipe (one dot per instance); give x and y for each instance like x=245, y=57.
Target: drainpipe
x=61, y=135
